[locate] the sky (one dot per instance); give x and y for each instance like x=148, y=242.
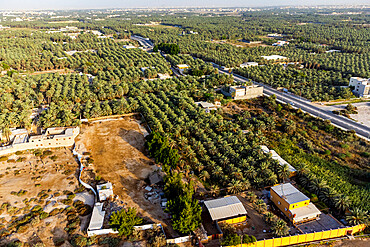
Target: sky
x=93, y=4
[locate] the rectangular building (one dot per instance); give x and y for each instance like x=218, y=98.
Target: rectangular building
x=293, y=203
x=281, y=161
x=228, y=210
x=243, y=92
x=361, y=86
x=248, y=64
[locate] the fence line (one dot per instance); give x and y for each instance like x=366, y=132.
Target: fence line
x=305, y=238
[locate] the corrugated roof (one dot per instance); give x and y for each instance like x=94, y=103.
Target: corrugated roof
x=225, y=207
x=289, y=193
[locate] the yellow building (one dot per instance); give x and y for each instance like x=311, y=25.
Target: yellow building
x=293, y=203
x=226, y=210
x=182, y=66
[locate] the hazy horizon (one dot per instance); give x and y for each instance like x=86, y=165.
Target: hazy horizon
x=101, y=4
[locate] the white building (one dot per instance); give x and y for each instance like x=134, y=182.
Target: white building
x=248, y=64
x=129, y=46
x=163, y=76
x=274, y=57
x=281, y=161
x=97, y=217
x=361, y=86
x=280, y=43
x=208, y=107
x=105, y=191
x=275, y=35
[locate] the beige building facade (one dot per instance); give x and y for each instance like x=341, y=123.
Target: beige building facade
x=51, y=138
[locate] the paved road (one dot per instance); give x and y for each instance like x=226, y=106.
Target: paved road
x=306, y=106
x=146, y=43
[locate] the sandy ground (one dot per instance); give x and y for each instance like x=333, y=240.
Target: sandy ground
x=53, y=176
x=363, y=110
x=352, y=243
x=117, y=149
x=363, y=115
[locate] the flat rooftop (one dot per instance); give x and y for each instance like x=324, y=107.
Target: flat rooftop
x=289, y=193
x=323, y=223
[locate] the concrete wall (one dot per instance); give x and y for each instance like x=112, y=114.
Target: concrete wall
x=234, y=220
x=41, y=143
x=305, y=238
x=250, y=93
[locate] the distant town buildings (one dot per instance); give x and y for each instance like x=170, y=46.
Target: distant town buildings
x=361, y=86
x=243, y=92
x=129, y=47
x=248, y=64
x=274, y=57
x=293, y=203
x=274, y=35
x=329, y=51
x=251, y=42
x=280, y=43
x=163, y=76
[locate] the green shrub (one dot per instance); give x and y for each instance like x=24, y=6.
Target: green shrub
x=3, y=158
x=44, y=215
x=37, y=185
x=55, y=211
x=79, y=189
x=23, y=228
x=36, y=208
x=54, y=158
x=11, y=161
x=21, y=159
x=365, y=154
x=231, y=240
x=71, y=196
x=66, y=201
x=47, y=153
x=19, y=152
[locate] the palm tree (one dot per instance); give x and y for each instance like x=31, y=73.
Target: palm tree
x=269, y=217
x=251, y=197
x=235, y=186
x=342, y=203
x=260, y=206
x=7, y=132
x=215, y=190
x=280, y=228
x=204, y=175
x=358, y=216
x=284, y=172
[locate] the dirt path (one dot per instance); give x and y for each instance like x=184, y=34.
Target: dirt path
x=117, y=149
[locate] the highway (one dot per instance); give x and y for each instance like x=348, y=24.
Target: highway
x=144, y=42
x=340, y=121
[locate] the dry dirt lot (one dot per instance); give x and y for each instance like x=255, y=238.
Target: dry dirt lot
x=117, y=148
x=34, y=174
